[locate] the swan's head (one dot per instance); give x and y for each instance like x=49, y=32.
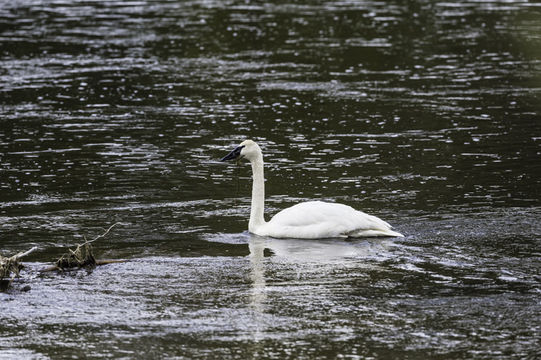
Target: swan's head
x=247, y=149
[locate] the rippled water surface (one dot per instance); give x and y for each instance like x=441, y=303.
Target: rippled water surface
x=424, y=113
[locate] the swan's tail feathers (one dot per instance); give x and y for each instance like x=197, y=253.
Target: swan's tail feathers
x=392, y=233
x=375, y=233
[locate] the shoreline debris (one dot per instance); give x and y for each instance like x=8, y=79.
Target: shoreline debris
x=74, y=259
x=81, y=257
x=10, y=268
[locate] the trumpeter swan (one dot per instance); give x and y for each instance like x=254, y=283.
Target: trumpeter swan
x=307, y=220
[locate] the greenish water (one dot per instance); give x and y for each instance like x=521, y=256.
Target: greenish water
x=423, y=113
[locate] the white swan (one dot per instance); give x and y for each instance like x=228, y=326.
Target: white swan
x=307, y=220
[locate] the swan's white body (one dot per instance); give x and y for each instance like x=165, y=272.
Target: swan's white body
x=308, y=220
x=318, y=219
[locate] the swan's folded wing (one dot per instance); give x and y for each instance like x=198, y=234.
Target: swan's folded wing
x=317, y=219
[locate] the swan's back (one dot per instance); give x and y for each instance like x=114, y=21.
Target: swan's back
x=318, y=219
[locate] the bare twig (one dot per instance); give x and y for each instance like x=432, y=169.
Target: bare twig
x=23, y=254
x=102, y=235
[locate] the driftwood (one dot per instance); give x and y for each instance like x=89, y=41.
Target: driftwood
x=81, y=257
x=10, y=268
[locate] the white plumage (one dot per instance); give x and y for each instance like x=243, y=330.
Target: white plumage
x=307, y=220
x=318, y=219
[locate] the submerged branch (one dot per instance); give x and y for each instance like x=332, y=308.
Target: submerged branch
x=98, y=263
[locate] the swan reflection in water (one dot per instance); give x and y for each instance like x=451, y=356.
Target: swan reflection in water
x=275, y=265
x=307, y=259
x=257, y=273
x=321, y=251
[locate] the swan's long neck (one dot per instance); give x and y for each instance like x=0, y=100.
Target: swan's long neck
x=258, y=195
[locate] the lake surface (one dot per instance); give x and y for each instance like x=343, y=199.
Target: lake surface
x=424, y=113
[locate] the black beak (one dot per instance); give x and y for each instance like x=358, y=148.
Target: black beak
x=233, y=154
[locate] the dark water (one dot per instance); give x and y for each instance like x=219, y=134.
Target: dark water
x=424, y=113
